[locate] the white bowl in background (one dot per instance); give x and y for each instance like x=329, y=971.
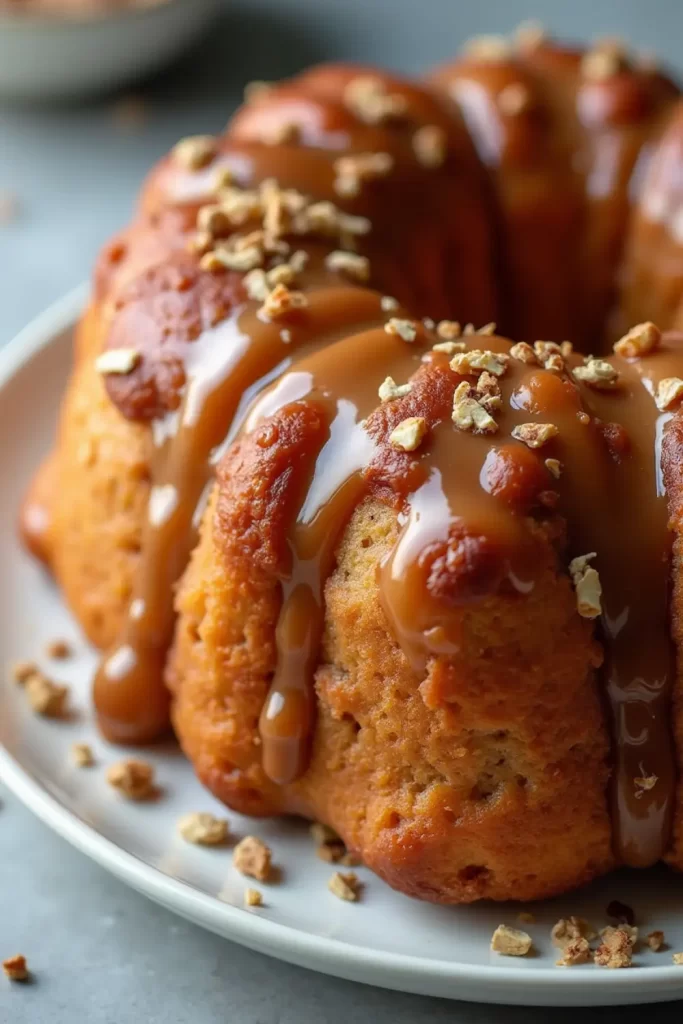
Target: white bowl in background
x=47, y=57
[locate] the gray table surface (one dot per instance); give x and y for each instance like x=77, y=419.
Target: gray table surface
x=101, y=953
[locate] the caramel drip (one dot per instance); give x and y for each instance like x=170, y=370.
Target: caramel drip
x=467, y=502
x=336, y=485
x=221, y=366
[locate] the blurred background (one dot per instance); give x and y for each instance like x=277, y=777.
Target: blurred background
x=69, y=171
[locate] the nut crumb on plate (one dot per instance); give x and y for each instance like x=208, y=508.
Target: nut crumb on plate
x=253, y=858
x=82, y=755
x=15, y=968
x=616, y=949
x=345, y=886
x=578, y=951
x=133, y=778
x=46, y=697
x=677, y=959
x=58, y=648
x=510, y=941
x=655, y=940
x=203, y=829
x=253, y=898
x=23, y=670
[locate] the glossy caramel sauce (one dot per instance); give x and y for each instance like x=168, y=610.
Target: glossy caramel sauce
x=212, y=365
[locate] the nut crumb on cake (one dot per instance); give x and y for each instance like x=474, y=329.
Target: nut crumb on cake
x=479, y=360
x=554, y=467
x=449, y=330
x=409, y=433
x=203, y=829
x=511, y=941
x=430, y=145
x=388, y=304
x=639, y=341
x=469, y=411
x=252, y=857
x=597, y=373
x=669, y=392
x=117, y=361
x=16, y=968
x=82, y=755
x=345, y=886
x=587, y=586
x=133, y=778
x=535, y=435
x=389, y=389
x=195, y=151
x=253, y=898
x=405, y=329
x=349, y=263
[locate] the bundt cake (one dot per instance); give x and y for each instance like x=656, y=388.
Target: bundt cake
x=411, y=579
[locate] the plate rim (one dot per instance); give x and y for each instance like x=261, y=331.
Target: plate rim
x=397, y=971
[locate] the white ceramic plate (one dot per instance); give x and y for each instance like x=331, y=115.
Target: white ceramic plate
x=48, y=58
x=386, y=939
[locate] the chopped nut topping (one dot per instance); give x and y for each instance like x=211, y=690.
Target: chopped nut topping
x=655, y=940
x=256, y=284
x=549, y=355
x=388, y=304
x=195, y=152
x=640, y=340
x=23, y=670
x=117, y=360
x=510, y=941
x=587, y=586
x=615, y=950
x=669, y=392
x=523, y=352
x=281, y=301
x=45, y=697
x=253, y=898
x=82, y=755
x=488, y=392
x=345, y=886
x=214, y=220
x=354, y=266
x=351, y=171
x=428, y=323
x=469, y=413
x=405, y=329
x=285, y=335
x=535, y=435
x=577, y=951
x=478, y=360
x=430, y=145
x=449, y=330
x=513, y=99
x=554, y=467
x=253, y=858
x=409, y=433
x=389, y=389
x=15, y=968
x=256, y=91
x=488, y=48
x=366, y=96
x=529, y=35
x=629, y=930
x=450, y=347
x=569, y=929
x=58, y=649
x=227, y=256
x=280, y=134
x=597, y=373
x=203, y=829
x=133, y=778
x=644, y=783
x=601, y=63
x=678, y=959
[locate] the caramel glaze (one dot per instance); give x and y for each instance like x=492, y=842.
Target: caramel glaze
x=465, y=503
x=652, y=275
x=203, y=345
x=562, y=148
